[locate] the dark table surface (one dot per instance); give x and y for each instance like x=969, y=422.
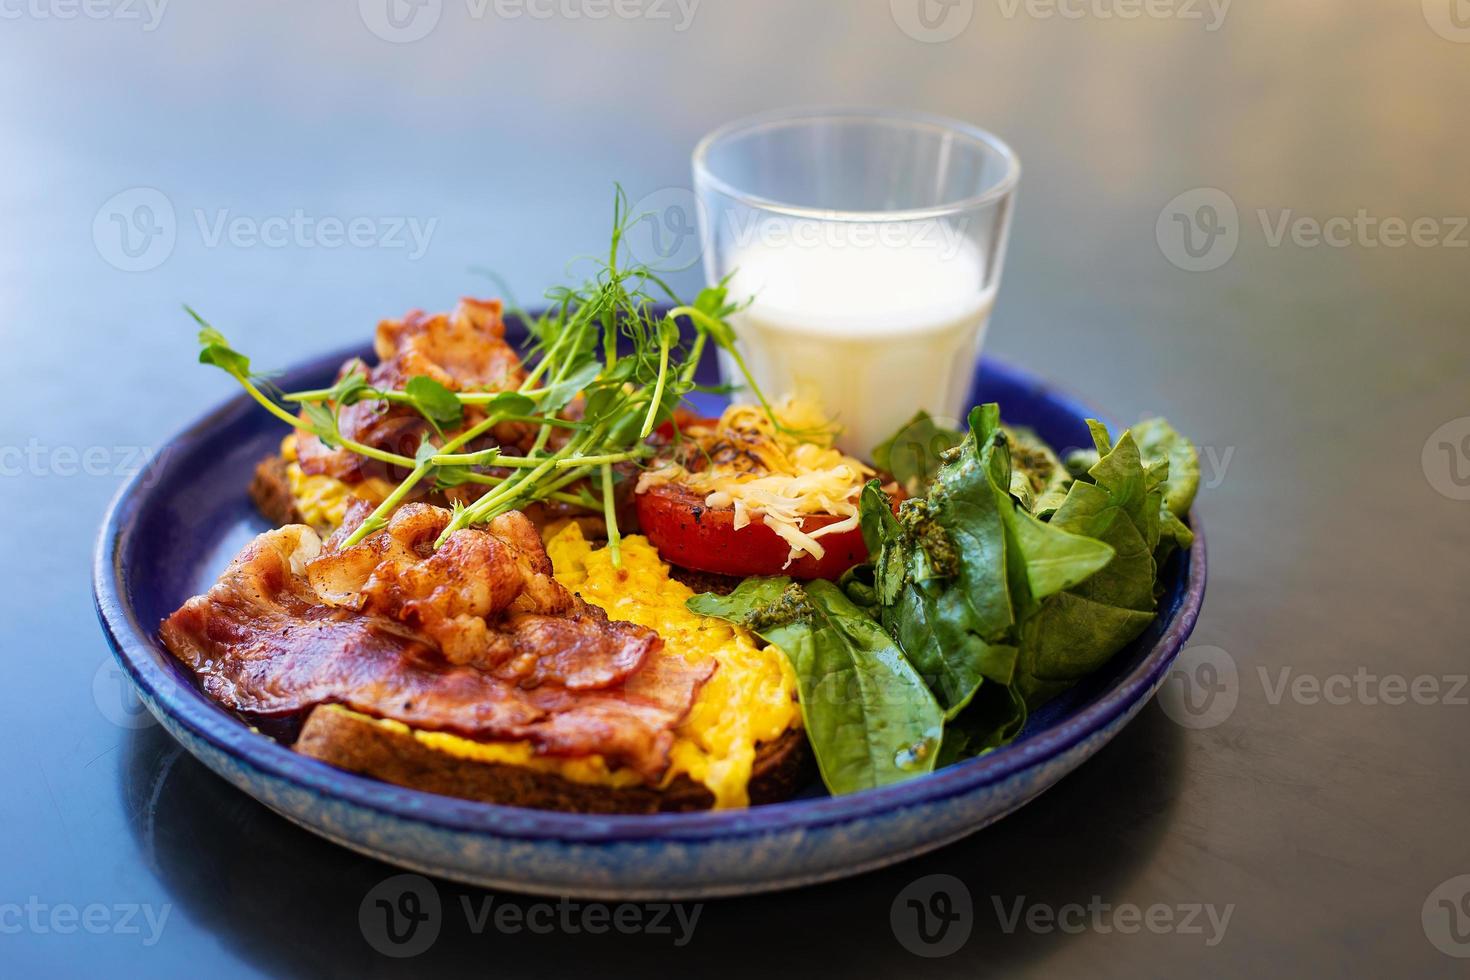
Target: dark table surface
x=1324, y=376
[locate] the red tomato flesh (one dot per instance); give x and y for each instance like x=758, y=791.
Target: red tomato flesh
x=691, y=535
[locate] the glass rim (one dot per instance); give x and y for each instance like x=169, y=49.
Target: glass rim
x=915, y=120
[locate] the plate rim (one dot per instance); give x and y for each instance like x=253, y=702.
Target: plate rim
x=136, y=650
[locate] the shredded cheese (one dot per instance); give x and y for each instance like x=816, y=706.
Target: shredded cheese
x=777, y=474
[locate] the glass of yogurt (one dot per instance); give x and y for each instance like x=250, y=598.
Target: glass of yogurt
x=869, y=245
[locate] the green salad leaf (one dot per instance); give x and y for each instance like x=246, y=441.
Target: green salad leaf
x=1010, y=580
x=1006, y=578
x=1157, y=440
x=912, y=454
x=957, y=571
x=869, y=717
x=1038, y=478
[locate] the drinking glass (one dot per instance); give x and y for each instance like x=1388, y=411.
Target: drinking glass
x=869, y=245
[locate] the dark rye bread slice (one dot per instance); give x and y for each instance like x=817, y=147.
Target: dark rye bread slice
x=271, y=490
x=353, y=742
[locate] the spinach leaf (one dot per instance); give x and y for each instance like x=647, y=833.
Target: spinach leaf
x=869, y=717
x=912, y=455
x=1010, y=581
x=1157, y=440
x=1038, y=478
x=1079, y=629
x=1173, y=459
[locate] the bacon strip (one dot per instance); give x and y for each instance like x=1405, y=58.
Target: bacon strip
x=464, y=350
x=264, y=641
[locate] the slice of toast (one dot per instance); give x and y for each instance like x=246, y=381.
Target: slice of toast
x=359, y=744
x=270, y=488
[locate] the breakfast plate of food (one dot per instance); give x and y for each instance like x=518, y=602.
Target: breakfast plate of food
x=545, y=601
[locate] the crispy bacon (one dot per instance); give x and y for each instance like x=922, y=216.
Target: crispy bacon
x=290, y=625
x=463, y=350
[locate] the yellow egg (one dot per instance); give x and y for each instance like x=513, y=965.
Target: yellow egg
x=323, y=500
x=751, y=698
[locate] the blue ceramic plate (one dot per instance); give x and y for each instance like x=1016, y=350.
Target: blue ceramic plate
x=172, y=530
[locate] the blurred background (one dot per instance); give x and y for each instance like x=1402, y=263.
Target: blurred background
x=1314, y=369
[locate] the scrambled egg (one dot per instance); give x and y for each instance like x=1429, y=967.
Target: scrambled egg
x=751, y=698
x=323, y=500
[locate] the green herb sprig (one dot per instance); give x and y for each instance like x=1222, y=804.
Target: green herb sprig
x=627, y=389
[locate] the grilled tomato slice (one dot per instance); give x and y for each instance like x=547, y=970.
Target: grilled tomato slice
x=691, y=535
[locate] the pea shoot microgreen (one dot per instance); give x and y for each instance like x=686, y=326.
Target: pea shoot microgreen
x=615, y=340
